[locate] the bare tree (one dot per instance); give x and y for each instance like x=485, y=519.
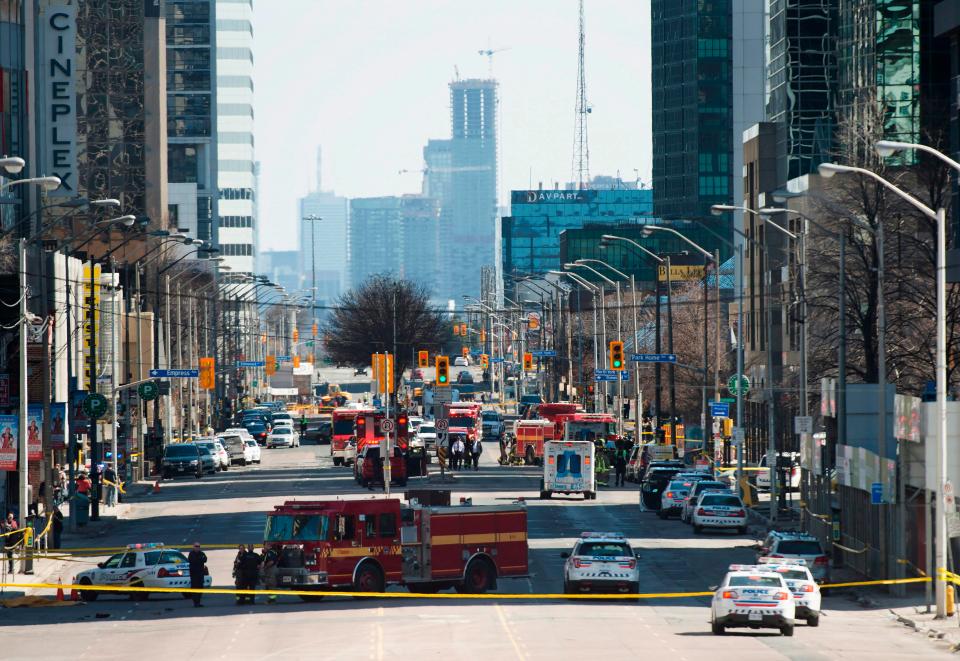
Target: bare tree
x=383, y=314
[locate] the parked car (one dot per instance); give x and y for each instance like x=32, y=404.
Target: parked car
x=461, y=361
x=789, y=462
x=719, y=511
x=258, y=431
x=464, y=377
x=236, y=449
x=797, y=546
x=493, y=427
x=242, y=432
x=208, y=460
x=695, y=491
x=217, y=450
x=181, y=459
x=427, y=433
x=654, y=482
x=251, y=451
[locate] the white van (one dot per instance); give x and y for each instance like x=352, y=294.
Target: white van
x=568, y=468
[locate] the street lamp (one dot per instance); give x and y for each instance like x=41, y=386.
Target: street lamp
x=12, y=164
x=593, y=289
x=827, y=170
x=46, y=183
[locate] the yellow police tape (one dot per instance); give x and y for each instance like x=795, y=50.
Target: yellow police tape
x=416, y=595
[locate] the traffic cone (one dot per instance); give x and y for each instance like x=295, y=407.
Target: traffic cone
x=156, y=486
x=59, y=590
x=74, y=595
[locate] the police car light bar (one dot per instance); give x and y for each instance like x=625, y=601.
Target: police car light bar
x=150, y=545
x=614, y=535
x=800, y=562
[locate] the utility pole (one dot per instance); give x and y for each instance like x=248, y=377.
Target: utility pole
x=24, y=388
x=92, y=390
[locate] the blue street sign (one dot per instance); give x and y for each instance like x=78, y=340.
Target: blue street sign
x=876, y=493
x=250, y=363
x=498, y=359
x=284, y=359
x=545, y=353
x=654, y=357
x=174, y=374
x=720, y=409
x=610, y=375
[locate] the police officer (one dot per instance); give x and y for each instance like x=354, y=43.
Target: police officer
x=197, y=560
x=268, y=572
x=248, y=569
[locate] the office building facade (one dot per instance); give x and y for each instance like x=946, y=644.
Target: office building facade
x=236, y=177
x=530, y=235
x=324, y=244
x=191, y=117
x=14, y=91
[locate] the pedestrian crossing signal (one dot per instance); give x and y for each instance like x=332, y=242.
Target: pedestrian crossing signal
x=527, y=362
x=443, y=371
x=616, y=356
x=423, y=359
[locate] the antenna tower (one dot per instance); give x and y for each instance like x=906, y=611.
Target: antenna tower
x=581, y=148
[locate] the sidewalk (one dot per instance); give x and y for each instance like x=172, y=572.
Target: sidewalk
x=917, y=618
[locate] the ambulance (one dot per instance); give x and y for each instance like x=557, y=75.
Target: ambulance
x=568, y=468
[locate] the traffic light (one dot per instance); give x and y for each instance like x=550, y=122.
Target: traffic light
x=443, y=371
x=423, y=359
x=465, y=351
x=727, y=427
x=616, y=356
x=527, y=362
x=208, y=379
x=270, y=362
x=296, y=335
x=483, y=335
x=463, y=330
x=456, y=329
x=296, y=362
x=315, y=329
x=484, y=361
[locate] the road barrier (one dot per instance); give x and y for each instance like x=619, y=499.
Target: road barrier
x=416, y=595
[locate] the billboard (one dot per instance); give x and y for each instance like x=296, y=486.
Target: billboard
x=58, y=425
x=35, y=432
x=59, y=97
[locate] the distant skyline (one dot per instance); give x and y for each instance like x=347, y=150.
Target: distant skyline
x=367, y=81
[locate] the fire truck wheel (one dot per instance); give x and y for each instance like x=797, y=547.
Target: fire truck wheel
x=338, y=461
x=369, y=579
x=478, y=578
x=545, y=495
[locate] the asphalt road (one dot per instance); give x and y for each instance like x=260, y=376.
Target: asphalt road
x=229, y=508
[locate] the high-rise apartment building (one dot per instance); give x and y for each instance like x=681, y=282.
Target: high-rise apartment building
x=236, y=178
x=191, y=117
x=470, y=231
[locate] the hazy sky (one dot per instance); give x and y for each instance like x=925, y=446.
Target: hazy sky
x=367, y=81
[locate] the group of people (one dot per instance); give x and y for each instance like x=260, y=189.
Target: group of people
x=460, y=452
x=250, y=567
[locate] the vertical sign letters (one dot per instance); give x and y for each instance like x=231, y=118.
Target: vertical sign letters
x=60, y=97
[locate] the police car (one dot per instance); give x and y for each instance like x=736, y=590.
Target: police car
x=791, y=545
x=806, y=592
x=718, y=511
x=601, y=562
x=141, y=565
x=754, y=596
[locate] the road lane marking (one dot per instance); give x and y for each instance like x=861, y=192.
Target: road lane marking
x=506, y=627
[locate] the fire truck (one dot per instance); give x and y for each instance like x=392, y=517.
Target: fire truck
x=531, y=435
x=367, y=545
x=368, y=467
x=342, y=449
x=464, y=418
x=588, y=427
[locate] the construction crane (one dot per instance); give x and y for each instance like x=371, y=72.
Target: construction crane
x=581, y=149
x=489, y=52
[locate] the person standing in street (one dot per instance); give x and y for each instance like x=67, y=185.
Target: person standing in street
x=110, y=480
x=475, y=453
x=57, y=527
x=268, y=571
x=11, y=538
x=197, y=560
x=247, y=571
x=457, y=448
x=620, y=464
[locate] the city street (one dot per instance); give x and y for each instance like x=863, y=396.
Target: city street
x=229, y=509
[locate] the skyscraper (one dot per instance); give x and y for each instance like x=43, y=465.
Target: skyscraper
x=191, y=117
x=236, y=179
x=324, y=244
x=375, y=245
x=470, y=231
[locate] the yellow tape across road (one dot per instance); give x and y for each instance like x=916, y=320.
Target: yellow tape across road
x=416, y=595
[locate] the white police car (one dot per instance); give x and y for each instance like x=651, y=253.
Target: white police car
x=718, y=511
x=141, y=565
x=601, y=562
x=753, y=596
x=806, y=592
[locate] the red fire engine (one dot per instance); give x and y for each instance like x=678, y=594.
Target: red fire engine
x=341, y=448
x=366, y=545
x=464, y=418
x=588, y=427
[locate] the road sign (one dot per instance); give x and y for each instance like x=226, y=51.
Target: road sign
x=148, y=390
x=876, y=493
x=174, y=374
x=498, y=359
x=386, y=425
x=728, y=400
x=441, y=424
x=610, y=375
x=284, y=359
x=719, y=409
x=738, y=435
x=250, y=363
x=802, y=424
x=95, y=405
x=654, y=357
x=744, y=384
x=545, y=353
